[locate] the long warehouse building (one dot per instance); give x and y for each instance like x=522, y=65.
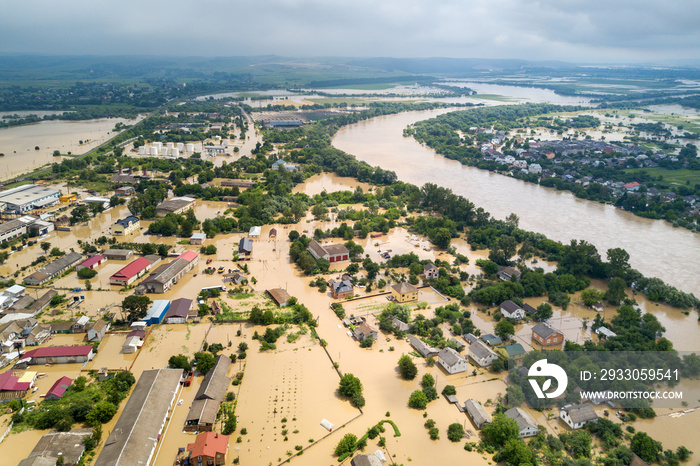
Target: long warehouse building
x=30, y=196
x=135, y=436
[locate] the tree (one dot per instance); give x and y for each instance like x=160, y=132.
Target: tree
x=346, y=444
x=418, y=400
x=618, y=260
x=86, y=273
x=407, y=368
x=500, y=430
x=372, y=269
x=645, y=447
x=543, y=312
x=103, y=412
x=455, y=432
x=205, y=361
x=242, y=346
x=515, y=394
x=79, y=383
x=616, y=291
x=427, y=381
x=56, y=252
x=135, y=306
x=515, y=451
x=367, y=342
x=45, y=246
x=504, y=329
x=441, y=238
x=590, y=296
x=180, y=362
x=449, y=390
x=349, y=385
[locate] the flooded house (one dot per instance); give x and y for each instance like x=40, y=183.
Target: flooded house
x=53, y=269
x=126, y=226
x=341, y=289
x=404, y=292
x=576, y=416
x=546, y=335
x=430, y=271
x=197, y=239
x=363, y=331
x=482, y=354
x=511, y=310
x=400, y=325
x=97, y=330
x=331, y=252
x=526, y=424
x=280, y=296
x=508, y=274
x=476, y=413
x=134, y=438
x=245, y=248
x=452, y=361
x=209, y=448
x=134, y=341
x=512, y=351
x=202, y=414
x=58, y=388
x=423, y=349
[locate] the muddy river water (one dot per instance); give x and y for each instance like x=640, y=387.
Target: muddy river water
x=656, y=248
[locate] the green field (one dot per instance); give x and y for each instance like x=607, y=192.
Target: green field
x=672, y=176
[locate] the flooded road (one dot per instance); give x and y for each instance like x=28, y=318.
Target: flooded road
x=656, y=248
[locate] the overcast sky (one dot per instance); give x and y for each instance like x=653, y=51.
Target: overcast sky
x=568, y=30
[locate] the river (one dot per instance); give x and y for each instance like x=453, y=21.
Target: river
x=656, y=248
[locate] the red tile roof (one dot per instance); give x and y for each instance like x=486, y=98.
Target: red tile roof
x=134, y=268
x=10, y=383
x=92, y=261
x=208, y=444
x=189, y=256
x=54, y=351
x=60, y=387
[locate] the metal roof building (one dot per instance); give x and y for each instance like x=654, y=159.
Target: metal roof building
x=157, y=311
x=135, y=436
x=202, y=415
x=476, y=413
x=25, y=198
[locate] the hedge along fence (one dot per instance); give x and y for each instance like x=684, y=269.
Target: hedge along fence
x=397, y=433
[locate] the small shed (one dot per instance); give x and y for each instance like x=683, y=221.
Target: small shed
x=197, y=238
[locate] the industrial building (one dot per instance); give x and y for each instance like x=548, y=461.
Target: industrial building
x=165, y=276
x=157, y=311
x=28, y=197
x=67, y=445
x=202, y=415
x=175, y=205
x=118, y=254
x=53, y=269
x=59, y=355
x=25, y=224
x=178, y=312
x=135, y=435
x=129, y=274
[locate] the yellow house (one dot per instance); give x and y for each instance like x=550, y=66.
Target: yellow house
x=69, y=198
x=126, y=226
x=404, y=292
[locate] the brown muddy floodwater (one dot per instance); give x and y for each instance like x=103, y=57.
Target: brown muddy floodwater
x=656, y=248
x=18, y=143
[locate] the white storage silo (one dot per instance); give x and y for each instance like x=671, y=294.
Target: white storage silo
x=154, y=151
x=180, y=146
x=174, y=152
x=158, y=145
x=190, y=147
x=142, y=150
x=169, y=145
